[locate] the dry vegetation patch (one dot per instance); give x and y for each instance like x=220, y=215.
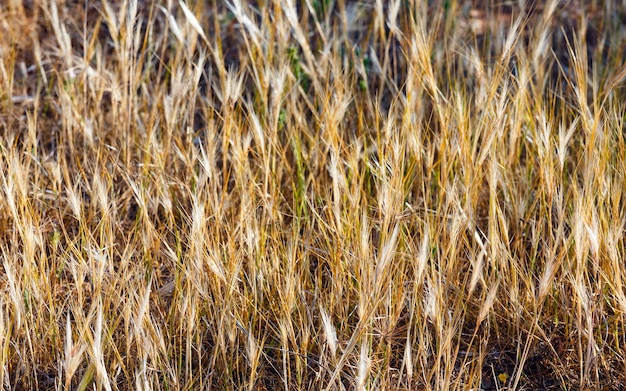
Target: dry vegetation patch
x=320, y=194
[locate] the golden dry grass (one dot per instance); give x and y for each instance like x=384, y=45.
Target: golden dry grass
x=308, y=195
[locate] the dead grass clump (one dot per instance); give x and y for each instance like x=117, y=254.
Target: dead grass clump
x=311, y=195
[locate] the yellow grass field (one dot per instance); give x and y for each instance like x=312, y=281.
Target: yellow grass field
x=312, y=195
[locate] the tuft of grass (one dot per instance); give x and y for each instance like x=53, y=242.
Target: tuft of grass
x=312, y=195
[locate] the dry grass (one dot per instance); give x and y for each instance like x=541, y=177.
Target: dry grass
x=308, y=195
